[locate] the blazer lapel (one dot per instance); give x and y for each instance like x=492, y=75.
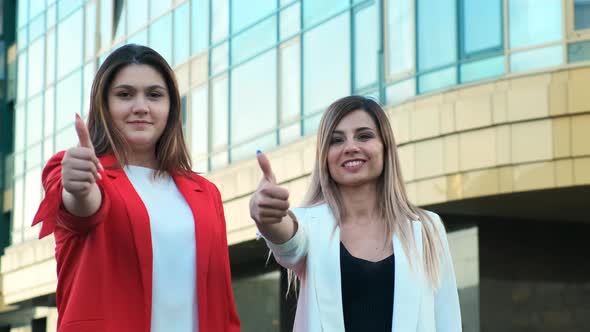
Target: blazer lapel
x=407, y=286
x=140, y=225
x=328, y=279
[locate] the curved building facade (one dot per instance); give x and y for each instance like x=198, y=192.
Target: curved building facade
x=488, y=101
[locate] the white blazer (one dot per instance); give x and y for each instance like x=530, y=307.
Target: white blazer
x=314, y=254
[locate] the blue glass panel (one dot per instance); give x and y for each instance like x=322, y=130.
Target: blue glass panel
x=200, y=123
x=401, y=43
x=37, y=27
x=253, y=102
x=482, y=28
x=536, y=59
x=36, y=66
x=106, y=24
x=50, y=55
x=139, y=18
x=158, y=7
x=69, y=44
x=181, y=34
x=49, y=113
x=579, y=51
x=199, y=25
x=35, y=120
x=315, y=11
x=437, y=80
x=437, y=33
x=246, y=12
x=90, y=30
x=120, y=19
x=219, y=113
x=532, y=24
x=66, y=7
x=254, y=40
x=22, y=38
x=51, y=13
x=69, y=99
x=23, y=12
x=290, y=21
x=140, y=38
x=581, y=14
x=220, y=24
x=160, y=36
x=366, y=45
x=482, y=69
x=326, y=59
x=219, y=58
x=400, y=91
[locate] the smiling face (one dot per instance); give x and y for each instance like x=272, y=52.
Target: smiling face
x=139, y=104
x=355, y=155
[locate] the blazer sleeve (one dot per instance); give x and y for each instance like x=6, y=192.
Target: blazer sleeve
x=233, y=318
x=446, y=301
x=51, y=211
x=291, y=254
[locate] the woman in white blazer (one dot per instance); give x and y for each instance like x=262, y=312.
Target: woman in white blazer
x=366, y=258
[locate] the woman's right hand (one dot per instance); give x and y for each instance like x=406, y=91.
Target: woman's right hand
x=269, y=206
x=80, y=170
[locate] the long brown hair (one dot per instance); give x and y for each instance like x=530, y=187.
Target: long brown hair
x=395, y=208
x=171, y=152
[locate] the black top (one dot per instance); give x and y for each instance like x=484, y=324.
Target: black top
x=367, y=292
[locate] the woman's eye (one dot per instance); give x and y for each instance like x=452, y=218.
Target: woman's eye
x=155, y=95
x=123, y=94
x=336, y=140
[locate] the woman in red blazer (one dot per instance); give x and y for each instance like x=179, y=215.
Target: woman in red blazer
x=110, y=275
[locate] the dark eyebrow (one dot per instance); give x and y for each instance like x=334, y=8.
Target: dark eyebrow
x=357, y=130
x=127, y=86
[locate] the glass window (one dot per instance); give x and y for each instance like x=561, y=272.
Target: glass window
x=37, y=27
x=482, y=25
x=579, y=51
x=51, y=13
x=532, y=24
x=366, y=46
x=401, y=41
x=50, y=57
x=254, y=40
x=36, y=7
x=32, y=201
x=33, y=156
x=120, y=19
x=89, y=72
x=437, y=80
x=160, y=36
x=199, y=25
x=482, y=69
x=290, y=91
x=400, y=91
x=17, y=212
x=181, y=34
x=220, y=24
x=315, y=11
x=23, y=12
x=219, y=59
x=35, y=120
x=246, y=12
x=199, y=128
x=49, y=115
x=69, y=44
x=19, y=128
x=437, y=33
x=69, y=99
x=48, y=150
x=219, y=112
x=19, y=164
x=22, y=38
x=66, y=7
x=66, y=138
x=36, y=70
x=536, y=59
x=581, y=14
x=254, y=106
x=290, y=21
x=326, y=72
x=139, y=18
x=90, y=30
x=21, y=91
x=106, y=23
x=158, y=7
x=140, y=38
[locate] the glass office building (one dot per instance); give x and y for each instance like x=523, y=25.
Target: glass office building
x=487, y=100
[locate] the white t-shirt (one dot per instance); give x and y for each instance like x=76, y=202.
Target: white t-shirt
x=174, y=300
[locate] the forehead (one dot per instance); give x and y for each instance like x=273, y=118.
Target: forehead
x=138, y=75
x=356, y=119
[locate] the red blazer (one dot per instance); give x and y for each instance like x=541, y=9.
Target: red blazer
x=104, y=262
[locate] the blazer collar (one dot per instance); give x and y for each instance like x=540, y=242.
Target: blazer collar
x=328, y=283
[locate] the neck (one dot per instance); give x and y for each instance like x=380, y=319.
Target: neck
x=143, y=158
x=360, y=203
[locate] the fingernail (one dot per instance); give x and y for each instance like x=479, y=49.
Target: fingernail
x=101, y=167
x=99, y=176
x=258, y=152
x=78, y=116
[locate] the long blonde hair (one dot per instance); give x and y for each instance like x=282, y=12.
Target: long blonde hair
x=395, y=208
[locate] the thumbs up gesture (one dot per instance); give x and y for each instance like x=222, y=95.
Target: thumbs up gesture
x=80, y=165
x=269, y=203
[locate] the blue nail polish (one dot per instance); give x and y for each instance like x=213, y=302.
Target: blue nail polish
x=258, y=152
